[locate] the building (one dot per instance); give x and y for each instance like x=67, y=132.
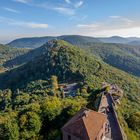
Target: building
x=86, y=125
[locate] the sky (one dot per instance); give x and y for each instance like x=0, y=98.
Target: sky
x=97, y=18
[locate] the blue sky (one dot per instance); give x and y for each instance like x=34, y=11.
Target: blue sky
x=25, y=18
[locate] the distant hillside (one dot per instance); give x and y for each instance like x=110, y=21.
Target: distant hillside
x=114, y=39
x=121, y=56
x=32, y=42
x=35, y=42
x=135, y=43
x=121, y=40
x=24, y=58
x=8, y=53
x=78, y=40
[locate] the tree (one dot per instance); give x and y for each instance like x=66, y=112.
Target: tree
x=84, y=90
x=9, y=129
x=73, y=105
x=54, y=85
x=35, y=107
x=134, y=121
x=30, y=125
x=51, y=107
x=21, y=99
x=5, y=99
x=54, y=82
x=107, y=88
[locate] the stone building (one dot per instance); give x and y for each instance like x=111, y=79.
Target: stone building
x=86, y=125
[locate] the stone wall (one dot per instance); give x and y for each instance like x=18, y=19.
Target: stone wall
x=122, y=134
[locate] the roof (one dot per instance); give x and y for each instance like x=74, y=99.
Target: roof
x=86, y=124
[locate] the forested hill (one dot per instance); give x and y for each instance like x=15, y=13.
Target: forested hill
x=122, y=56
x=68, y=63
x=32, y=42
x=61, y=58
x=8, y=53
x=73, y=39
x=30, y=102
x=36, y=42
x=24, y=58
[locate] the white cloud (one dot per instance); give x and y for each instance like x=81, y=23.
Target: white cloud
x=68, y=1
x=88, y=26
x=22, y=1
x=23, y=23
x=70, y=10
x=128, y=32
x=58, y=8
x=113, y=22
x=63, y=10
x=114, y=25
x=31, y=25
x=115, y=17
x=78, y=4
x=121, y=19
x=10, y=10
x=67, y=8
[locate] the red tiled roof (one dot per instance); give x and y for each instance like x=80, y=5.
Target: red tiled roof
x=86, y=124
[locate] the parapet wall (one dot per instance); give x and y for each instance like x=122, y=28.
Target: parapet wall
x=122, y=134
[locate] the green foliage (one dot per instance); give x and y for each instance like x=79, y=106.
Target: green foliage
x=54, y=82
x=124, y=57
x=74, y=105
x=54, y=85
x=107, y=88
x=5, y=99
x=30, y=125
x=134, y=121
x=7, y=53
x=94, y=99
x=21, y=99
x=125, y=112
x=9, y=129
x=51, y=107
x=30, y=42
